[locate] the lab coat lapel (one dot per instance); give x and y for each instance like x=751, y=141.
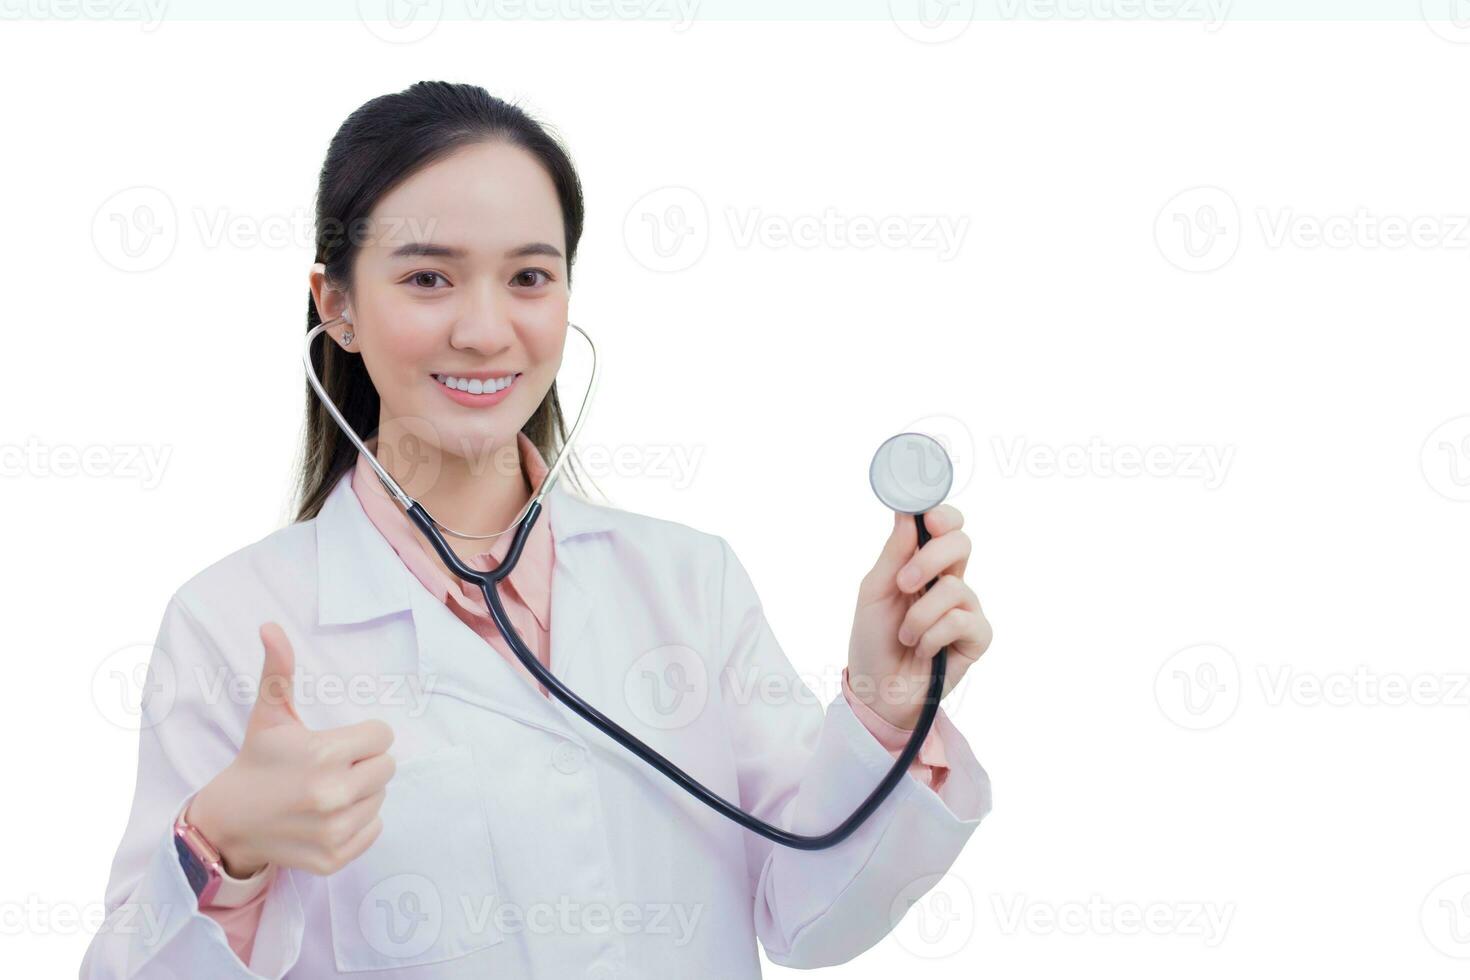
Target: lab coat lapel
x=359, y=575
x=456, y=661
x=361, y=578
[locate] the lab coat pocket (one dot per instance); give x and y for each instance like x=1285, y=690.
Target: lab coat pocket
x=425, y=890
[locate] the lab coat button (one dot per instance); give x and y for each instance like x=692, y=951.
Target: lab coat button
x=601, y=971
x=567, y=758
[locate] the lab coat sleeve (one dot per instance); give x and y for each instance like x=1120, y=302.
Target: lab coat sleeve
x=190, y=728
x=806, y=771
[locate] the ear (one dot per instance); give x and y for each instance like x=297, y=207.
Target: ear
x=331, y=302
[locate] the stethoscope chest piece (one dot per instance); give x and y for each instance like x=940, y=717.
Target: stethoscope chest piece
x=911, y=473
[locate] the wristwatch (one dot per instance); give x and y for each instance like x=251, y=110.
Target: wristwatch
x=199, y=858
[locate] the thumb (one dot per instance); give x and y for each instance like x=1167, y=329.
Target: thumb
x=898, y=549
x=273, y=704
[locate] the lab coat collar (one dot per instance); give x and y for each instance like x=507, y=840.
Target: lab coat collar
x=360, y=577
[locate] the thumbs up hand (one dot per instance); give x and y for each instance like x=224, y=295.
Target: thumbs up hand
x=295, y=796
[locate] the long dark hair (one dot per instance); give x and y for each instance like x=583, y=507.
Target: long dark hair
x=382, y=143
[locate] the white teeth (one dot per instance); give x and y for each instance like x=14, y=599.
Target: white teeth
x=474, y=386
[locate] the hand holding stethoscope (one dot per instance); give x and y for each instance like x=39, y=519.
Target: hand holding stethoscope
x=914, y=605
x=898, y=626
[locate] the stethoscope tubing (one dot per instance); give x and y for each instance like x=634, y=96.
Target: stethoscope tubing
x=488, y=582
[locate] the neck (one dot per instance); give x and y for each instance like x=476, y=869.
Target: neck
x=478, y=492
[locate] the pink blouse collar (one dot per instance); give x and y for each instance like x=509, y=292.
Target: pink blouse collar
x=530, y=579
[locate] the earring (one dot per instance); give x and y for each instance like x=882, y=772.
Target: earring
x=347, y=334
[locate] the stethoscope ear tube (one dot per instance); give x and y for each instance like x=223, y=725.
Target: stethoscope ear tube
x=488, y=581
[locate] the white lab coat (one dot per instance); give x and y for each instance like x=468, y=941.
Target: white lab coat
x=518, y=840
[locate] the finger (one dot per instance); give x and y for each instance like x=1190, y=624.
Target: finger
x=957, y=629
x=943, y=519
x=949, y=552
x=369, y=776
x=351, y=743
x=947, y=593
x=363, y=839
x=903, y=539
x=273, y=699
x=358, y=815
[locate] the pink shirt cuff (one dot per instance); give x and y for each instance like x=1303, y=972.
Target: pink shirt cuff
x=930, y=766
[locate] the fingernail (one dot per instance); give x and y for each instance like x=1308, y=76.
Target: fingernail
x=908, y=578
x=904, y=638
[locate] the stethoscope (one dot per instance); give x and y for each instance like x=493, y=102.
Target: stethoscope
x=911, y=473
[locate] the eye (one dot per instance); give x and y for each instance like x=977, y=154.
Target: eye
x=418, y=279
x=525, y=272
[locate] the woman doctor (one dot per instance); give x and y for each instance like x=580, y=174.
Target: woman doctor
x=397, y=793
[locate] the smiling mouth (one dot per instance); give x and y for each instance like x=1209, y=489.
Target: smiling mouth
x=476, y=386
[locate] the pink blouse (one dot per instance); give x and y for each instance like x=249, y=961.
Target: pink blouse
x=527, y=599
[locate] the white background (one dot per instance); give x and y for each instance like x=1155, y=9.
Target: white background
x=1229, y=700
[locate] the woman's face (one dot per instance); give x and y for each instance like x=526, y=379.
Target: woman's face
x=462, y=274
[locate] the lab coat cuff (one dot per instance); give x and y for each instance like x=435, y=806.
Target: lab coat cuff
x=167, y=922
x=930, y=765
x=963, y=799
x=845, y=765
x=826, y=906
x=965, y=793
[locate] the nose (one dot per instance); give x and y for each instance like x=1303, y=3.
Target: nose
x=483, y=321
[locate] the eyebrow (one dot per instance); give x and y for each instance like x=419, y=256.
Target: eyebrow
x=430, y=250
